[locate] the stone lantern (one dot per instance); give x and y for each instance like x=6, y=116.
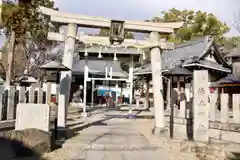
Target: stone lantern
x=55, y=66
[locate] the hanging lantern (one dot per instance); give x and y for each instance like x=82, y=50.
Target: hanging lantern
x=116, y=31
x=100, y=52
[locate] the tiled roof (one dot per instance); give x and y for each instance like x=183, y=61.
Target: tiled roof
x=208, y=64
x=187, y=53
x=230, y=79
x=178, y=71
x=234, y=53
x=54, y=65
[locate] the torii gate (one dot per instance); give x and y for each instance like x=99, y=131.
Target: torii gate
x=154, y=44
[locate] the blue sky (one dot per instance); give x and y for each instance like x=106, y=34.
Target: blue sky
x=146, y=9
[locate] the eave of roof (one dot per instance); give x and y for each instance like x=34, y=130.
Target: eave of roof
x=220, y=68
x=97, y=67
x=234, y=53
x=230, y=80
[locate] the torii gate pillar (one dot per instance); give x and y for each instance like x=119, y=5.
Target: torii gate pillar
x=156, y=63
x=65, y=82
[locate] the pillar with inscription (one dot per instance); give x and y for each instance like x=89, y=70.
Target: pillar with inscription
x=200, y=106
x=65, y=82
x=156, y=63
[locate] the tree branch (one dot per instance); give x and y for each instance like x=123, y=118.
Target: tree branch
x=236, y=22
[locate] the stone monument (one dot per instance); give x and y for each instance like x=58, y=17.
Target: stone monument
x=31, y=115
x=32, y=128
x=200, y=106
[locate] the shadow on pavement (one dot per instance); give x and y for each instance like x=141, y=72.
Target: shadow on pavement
x=73, y=132
x=12, y=149
x=74, y=124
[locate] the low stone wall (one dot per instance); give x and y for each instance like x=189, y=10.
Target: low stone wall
x=8, y=126
x=228, y=132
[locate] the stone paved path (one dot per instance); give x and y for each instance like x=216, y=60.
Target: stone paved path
x=111, y=137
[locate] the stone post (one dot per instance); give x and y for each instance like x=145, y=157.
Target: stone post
x=224, y=108
x=40, y=95
x=236, y=108
x=48, y=93
x=182, y=108
x=213, y=106
x=200, y=106
x=65, y=80
x=10, y=102
x=22, y=94
x=31, y=94
x=156, y=63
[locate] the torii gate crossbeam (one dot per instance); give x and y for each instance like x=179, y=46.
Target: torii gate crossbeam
x=100, y=22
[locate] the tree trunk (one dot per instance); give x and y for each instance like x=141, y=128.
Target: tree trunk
x=20, y=60
x=147, y=91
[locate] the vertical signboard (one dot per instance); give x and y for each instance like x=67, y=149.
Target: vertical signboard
x=200, y=105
